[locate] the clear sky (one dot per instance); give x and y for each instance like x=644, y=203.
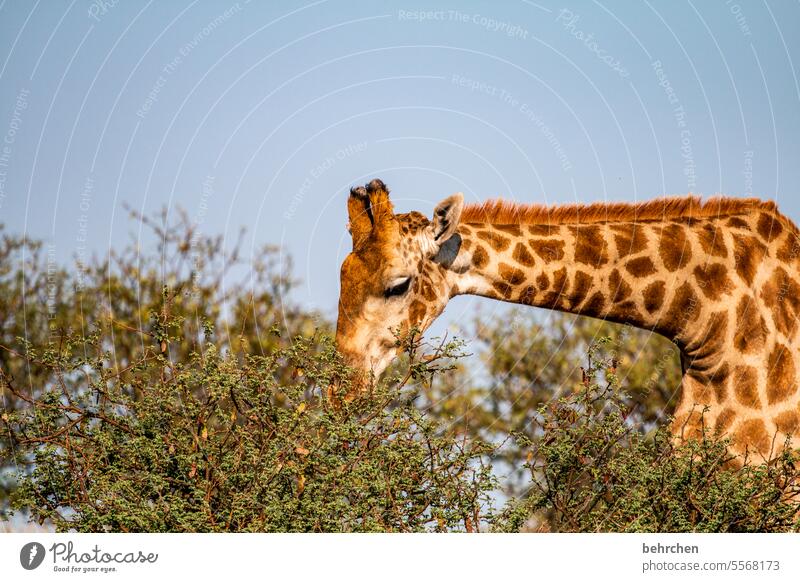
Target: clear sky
x=263, y=114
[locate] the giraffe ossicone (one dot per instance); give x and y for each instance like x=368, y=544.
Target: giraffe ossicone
x=720, y=278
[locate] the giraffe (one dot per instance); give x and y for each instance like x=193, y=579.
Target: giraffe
x=719, y=278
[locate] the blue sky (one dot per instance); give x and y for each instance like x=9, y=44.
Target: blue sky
x=263, y=114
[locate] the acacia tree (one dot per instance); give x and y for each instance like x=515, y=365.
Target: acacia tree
x=529, y=358
x=131, y=301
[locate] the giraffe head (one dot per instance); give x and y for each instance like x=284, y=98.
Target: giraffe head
x=393, y=279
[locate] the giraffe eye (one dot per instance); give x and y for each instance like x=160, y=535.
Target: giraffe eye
x=398, y=287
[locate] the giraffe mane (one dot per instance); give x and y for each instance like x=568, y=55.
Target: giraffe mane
x=506, y=212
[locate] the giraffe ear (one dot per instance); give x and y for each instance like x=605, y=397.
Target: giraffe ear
x=446, y=217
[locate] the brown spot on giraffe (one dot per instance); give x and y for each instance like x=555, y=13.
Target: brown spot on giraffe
x=555, y=297
x=590, y=245
x=543, y=229
x=625, y=311
x=748, y=254
x=745, y=385
x=630, y=239
x=751, y=435
x=789, y=251
x=673, y=246
x=560, y=280
x=653, y=296
x=787, y=422
x=641, y=267
x=523, y=256
x=618, y=288
x=769, y=227
x=781, y=376
x=594, y=305
x=724, y=420
x=548, y=249
x=751, y=329
x=512, y=229
x=712, y=240
x=738, y=222
x=719, y=381
x=713, y=280
x=504, y=290
x=703, y=392
x=683, y=310
x=580, y=287
x=542, y=281
x=511, y=274
x=498, y=242
x=527, y=295
x=781, y=294
x=480, y=258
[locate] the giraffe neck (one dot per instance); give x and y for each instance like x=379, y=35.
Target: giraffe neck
x=725, y=289
x=608, y=271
